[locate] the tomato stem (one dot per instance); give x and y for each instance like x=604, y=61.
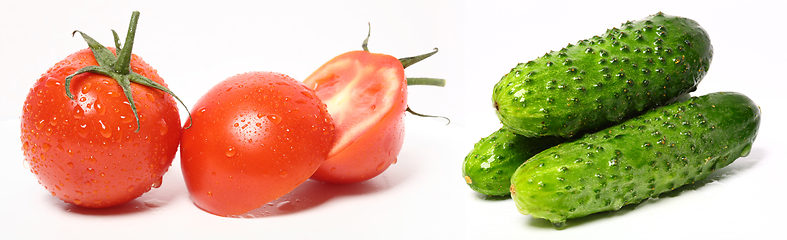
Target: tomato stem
x=118, y=67
x=410, y=110
x=365, y=43
x=409, y=61
x=437, y=82
x=123, y=63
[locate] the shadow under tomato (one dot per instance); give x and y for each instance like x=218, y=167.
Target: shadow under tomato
x=152, y=200
x=132, y=207
x=314, y=193
x=739, y=165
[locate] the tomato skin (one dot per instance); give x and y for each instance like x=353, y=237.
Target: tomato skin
x=255, y=137
x=370, y=155
x=370, y=122
x=86, y=151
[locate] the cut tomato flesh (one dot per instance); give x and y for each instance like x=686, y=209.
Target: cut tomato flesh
x=359, y=89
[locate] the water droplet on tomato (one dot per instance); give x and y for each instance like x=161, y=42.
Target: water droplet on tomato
x=276, y=119
x=201, y=111
x=286, y=205
x=86, y=88
x=125, y=119
x=70, y=165
x=157, y=183
x=130, y=188
x=52, y=82
x=45, y=147
x=333, y=169
x=151, y=97
x=39, y=124
x=105, y=131
x=231, y=151
x=100, y=109
x=77, y=201
x=210, y=193
x=82, y=130
x=78, y=112
x=260, y=115
x=91, y=170
x=283, y=174
x=381, y=166
x=53, y=121
x=26, y=164
x=162, y=127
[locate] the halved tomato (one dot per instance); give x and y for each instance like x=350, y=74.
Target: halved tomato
x=366, y=95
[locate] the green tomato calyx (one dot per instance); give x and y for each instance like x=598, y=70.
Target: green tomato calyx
x=118, y=67
x=409, y=61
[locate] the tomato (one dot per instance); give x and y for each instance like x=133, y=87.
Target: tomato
x=366, y=94
x=90, y=150
x=254, y=138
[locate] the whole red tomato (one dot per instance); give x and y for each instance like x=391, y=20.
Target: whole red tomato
x=90, y=150
x=254, y=138
x=366, y=95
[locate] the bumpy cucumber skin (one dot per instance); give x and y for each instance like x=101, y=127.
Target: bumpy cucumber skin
x=640, y=158
x=487, y=169
x=603, y=80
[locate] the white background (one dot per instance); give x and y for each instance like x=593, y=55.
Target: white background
x=194, y=45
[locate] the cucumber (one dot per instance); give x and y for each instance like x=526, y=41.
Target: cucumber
x=487, y=169
x=640, y=158
x=603, y=80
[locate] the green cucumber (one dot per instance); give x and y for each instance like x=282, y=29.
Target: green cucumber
x=603, y=80
x=640, y=158
x=487, y=169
